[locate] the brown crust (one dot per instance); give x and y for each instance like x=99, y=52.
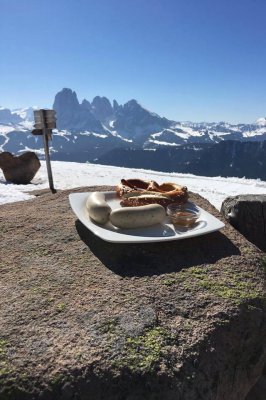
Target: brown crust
x=137, y=187
x=129, y=185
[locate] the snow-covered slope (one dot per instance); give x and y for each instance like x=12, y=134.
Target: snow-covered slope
x=205, y=132
x=25, y=113
x=69, y=175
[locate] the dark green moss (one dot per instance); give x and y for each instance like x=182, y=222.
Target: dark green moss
x=169, y=282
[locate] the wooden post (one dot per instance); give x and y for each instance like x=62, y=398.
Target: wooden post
x=46, y=133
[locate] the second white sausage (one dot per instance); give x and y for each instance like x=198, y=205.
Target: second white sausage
x=137, y=217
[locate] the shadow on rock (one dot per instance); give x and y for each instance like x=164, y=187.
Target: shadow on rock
x=147, y=259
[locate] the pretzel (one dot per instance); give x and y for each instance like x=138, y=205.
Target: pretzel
x=137, y=192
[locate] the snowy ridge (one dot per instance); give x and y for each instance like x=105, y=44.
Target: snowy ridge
x=25, y=113
x=121, y=124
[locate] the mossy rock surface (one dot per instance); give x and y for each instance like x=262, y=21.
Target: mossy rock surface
x=85, y=319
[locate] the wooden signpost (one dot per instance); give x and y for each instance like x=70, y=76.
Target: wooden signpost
x=45, y=121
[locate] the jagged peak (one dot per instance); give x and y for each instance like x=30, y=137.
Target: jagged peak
x=132, y=102
x=101, y=100
x=67, y=93
x=135, y=105
x=67, y=90
x=86, y=104
x=115, y=105
x=66, y=96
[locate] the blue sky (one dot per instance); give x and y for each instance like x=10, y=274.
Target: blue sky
x=199, y=60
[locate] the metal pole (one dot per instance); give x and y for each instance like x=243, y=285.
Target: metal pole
x=47, y=155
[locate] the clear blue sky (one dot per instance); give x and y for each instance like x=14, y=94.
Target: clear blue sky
x=199, y=60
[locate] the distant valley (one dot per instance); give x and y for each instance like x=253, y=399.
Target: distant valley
x=129, y=135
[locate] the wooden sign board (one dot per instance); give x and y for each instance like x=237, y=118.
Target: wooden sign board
x=44, y=119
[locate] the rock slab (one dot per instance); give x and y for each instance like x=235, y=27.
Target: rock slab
x=81, y=318
x=247, y=213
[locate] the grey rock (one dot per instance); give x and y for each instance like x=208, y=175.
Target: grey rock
x=115, y=105
x=137, y=122
x=101, y=108
x=247, y=213
x=86, y=104
x=134, y=323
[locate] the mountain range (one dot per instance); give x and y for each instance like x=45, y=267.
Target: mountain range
x=129, y=135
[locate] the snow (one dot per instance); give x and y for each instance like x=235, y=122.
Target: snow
x=218, y=133
x=6, y=139
x=25, y=113
x=160, y=143
x=6, y=129
x=68, y=175
x=23, y=126
x=28, y=125
x=99, y=135
x=189, y=131
x=178, y=134
x=114, y=133
x=261, y=121
x=257, y=132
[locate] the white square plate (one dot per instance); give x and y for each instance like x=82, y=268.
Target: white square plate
x=158, y=233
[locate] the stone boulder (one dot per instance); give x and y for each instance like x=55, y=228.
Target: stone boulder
x=84, y=319
x=19, y=169
x=259, y=389
x=247, y=213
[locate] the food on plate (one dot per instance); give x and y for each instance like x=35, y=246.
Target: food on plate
x=138, y=217
x=129, y=185
x=137, y=192
x=97, y=208
x=136, y=199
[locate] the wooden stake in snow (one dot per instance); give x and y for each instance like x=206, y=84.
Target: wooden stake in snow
x=45, y=121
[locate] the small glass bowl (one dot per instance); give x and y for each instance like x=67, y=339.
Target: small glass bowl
x=184, y=215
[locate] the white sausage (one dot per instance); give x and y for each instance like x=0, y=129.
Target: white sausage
x=137, y=217
x=97, y=208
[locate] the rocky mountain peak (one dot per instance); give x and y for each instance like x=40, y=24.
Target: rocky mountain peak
x=101, y=108
x=137, y=122
x=132, y=104
x=7, y=117
x=261, y=121
x=115, y=105
x=86, y=104
x=74, y=116
x=65, y=99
